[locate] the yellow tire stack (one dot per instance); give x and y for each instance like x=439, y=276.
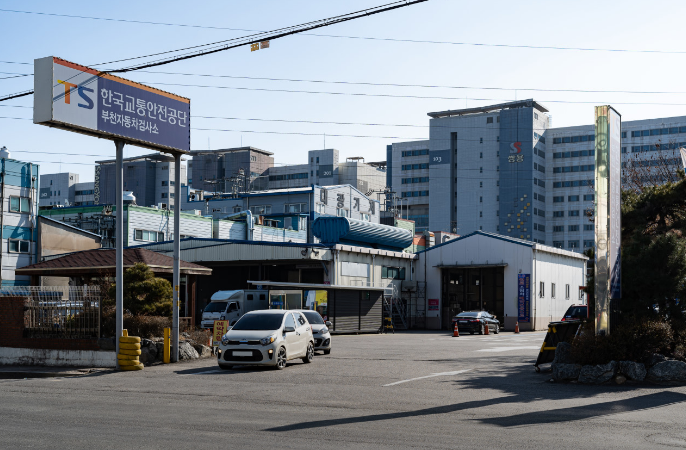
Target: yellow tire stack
x=129, y=350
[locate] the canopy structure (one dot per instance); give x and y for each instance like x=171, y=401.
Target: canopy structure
x=335, y=230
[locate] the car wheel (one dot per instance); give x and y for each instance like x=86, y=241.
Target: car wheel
x=225, y=367
x=309, y=356
x=281, y=359
x=327, y=352
x=497, y=329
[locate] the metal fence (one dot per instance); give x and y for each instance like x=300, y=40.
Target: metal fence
x=59, y=311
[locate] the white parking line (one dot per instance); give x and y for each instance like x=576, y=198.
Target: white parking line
x=203, y=373
x=509, y=349
x=442, y=374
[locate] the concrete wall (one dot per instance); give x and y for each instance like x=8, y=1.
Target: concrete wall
x=160, y=220
x=61, y=358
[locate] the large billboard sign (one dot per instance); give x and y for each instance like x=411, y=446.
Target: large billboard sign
x=87, y=101
x=608, y=225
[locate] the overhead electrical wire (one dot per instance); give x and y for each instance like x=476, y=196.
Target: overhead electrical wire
x=251, y=39
x=370, y=38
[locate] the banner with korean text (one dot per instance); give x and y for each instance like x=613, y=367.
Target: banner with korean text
x=524, y=297
x=87, y=101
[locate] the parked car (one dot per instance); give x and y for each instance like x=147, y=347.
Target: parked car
x=476, y=322
x=320, y=330
x=576, y=312
x=267, y=338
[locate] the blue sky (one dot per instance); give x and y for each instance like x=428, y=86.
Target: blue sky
x=588, y=24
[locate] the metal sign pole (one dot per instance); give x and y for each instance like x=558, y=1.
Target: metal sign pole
x=119, y=239
x=177, y=250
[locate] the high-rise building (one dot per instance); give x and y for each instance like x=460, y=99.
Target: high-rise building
x=57, y=189
x=501, y=169
x=149, y=177
x=228, y=170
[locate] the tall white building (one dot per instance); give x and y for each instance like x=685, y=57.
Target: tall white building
x=501, y=169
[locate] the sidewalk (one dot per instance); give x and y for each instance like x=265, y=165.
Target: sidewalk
x=19, y=372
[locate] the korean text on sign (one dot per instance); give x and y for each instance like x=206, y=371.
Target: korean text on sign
x=220, y=328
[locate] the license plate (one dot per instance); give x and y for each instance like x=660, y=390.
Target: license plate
x=237, y=353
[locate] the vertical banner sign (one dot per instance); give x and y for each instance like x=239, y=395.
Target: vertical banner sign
x=524, y=297
x=608, y=185
x=220, y=328
x=87, y=101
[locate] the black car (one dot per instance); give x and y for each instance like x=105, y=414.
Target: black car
x=476, y=322
x=576, y=312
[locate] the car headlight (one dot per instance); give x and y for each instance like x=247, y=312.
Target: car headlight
x=324, y=330
x=225, y=340
x=267, y=340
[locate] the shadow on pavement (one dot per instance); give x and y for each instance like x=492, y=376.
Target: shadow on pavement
x=520, y=385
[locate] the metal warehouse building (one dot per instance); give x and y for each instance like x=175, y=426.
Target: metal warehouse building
x=517, y=280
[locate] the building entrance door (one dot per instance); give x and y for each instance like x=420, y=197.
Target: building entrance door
x=471, y=289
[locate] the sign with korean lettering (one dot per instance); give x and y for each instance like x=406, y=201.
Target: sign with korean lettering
x=524, y=297
x=433, y=304
x=220, y=329
x=87, y=101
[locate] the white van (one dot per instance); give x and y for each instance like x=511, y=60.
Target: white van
x=230, y=305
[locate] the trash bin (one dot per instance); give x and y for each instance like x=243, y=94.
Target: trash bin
x=557, y=332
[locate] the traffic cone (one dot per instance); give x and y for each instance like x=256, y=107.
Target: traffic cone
x=486, y=329
x=456, y=332
x=517, y=327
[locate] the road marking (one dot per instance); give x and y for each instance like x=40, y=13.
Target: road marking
x=203, y=373
x=442, y=374
x=509, y=349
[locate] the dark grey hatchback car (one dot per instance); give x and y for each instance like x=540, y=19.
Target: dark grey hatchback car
x=476, y=322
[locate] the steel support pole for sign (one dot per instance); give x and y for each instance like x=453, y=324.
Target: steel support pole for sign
x=119, y=240
x=177, y=250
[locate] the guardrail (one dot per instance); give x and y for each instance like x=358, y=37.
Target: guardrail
x=59, y=311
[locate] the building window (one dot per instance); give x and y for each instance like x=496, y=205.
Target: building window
x=574, y=213
x=589, y=243
x=365, y=217
x=321, y=208
x=558, y=244
x=589, y=197
x=481, y=140
x=572, y=244
x=164, y=183
x=552, y=290
x=481, y=213
x=481, y=184
x=481, y=154
x=558, y=213
x=19, y=204
x=253, y=158
x=559, y=199
x=573, y=228
x=588, y=228
x=535, y=116
x=341, y=212
x=19, y=246
x=541, y=289
x=481, y=170
x=393, y=273
x=317, y=159
x=163, y=195
x=558, y=228
x=261, y=209
x=148, y=236
x=489, y=119
x=294, y=208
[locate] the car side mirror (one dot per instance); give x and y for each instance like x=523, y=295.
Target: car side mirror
x=329, y=324
x=228, y=328
x=288, y=329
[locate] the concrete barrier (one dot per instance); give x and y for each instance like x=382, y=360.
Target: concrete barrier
x=64, y=358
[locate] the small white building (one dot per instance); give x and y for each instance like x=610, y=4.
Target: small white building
x=517, y=280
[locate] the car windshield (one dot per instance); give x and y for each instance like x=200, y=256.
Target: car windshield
x=313, y=317
x=215, y=307
x=252, y=322
x=468, y=314
x=576, y=311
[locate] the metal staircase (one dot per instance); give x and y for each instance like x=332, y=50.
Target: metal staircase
x=396, y=309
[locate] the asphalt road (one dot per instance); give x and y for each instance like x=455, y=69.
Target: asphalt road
x=410, y=390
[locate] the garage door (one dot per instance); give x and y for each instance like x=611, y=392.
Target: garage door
x=371, y=311
x=347, y=311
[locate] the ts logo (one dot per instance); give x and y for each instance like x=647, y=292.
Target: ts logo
x=516, y=147
x=69, y=87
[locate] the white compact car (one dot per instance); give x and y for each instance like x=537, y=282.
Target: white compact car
x=320, y=330
x=267, y=338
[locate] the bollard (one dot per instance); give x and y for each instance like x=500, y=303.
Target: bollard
x=456, y=332
x=517, y=327
x=486, y=329
x=167, y=345
x=129, y=352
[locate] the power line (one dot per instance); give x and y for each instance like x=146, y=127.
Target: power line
x=421, y=97
x=414, y=41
